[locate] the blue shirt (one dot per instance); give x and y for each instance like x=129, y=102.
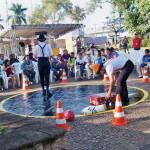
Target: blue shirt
x=23, y=65
x=146, y=59
x=66, y=57
x=99, y=61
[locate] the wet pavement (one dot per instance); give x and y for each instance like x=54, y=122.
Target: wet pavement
x=74, y=98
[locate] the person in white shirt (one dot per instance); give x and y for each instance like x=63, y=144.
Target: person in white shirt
x=2, y=60
x=90, y=60
x=81, y=61
x=111, y=67
x=43, y=51
x=93, y=51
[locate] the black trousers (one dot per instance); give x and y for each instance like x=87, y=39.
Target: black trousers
x=121, y=88
x=44, y=70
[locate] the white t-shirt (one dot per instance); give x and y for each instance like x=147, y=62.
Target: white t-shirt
x=82, y=60
x=47, y=50
x=115, y=64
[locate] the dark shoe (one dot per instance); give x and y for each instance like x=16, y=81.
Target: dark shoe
x=48, y=94
x=44, y=92
x=125, y=103
x=56, y=79
x=80, y=79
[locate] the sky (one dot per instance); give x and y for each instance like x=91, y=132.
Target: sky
x=92, y=22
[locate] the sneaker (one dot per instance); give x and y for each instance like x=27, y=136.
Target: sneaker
x=44, y=92
x=48, y=94
x=140, y=76
x=80, y=79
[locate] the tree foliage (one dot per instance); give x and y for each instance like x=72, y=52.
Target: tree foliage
x=114, y=24
x=39, y=16
x=57, y=9
x=78, y=14
x=18, y=16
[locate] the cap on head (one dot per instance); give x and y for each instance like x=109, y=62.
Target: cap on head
x=41, y=38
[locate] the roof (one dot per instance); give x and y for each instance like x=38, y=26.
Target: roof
x=27, y=31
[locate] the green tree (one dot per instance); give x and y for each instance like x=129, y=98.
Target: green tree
x=114, y=24
x=39, y=16
x=18, y=16
x=57, y=9
x=77, y=14
x=1, y=26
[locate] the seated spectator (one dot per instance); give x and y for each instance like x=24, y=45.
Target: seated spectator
x=28, y=69
x=32, y=58
x=111, y=54
x=83, y=52
x=8, y=69
x=97, y=49
x=108, y=44
x=81, y=62
x=66, y=56
x=103, y=53
x=93, y=51
x=90, y=61
x=13, y=59
x=71, y=63
x=145, y=62
x=99, y=59
x=1, y=80
x=63, y=63
x=56, y=67
x=2, y=60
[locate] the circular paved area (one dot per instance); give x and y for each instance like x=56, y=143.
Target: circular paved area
x=96, y=132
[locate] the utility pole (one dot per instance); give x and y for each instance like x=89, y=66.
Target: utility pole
x=95, y=30
x=31, y=7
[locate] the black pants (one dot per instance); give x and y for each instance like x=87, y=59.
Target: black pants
x=137, y=49
x=121, y=88
x=44, y=70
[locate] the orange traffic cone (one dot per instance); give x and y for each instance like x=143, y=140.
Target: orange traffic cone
x=25, y=83
x=145, y=75
x=60, y=117
x=64, y=77
x=119, y=118
x=106, y=77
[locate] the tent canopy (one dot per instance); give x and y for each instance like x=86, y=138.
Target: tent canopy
x=27, y=31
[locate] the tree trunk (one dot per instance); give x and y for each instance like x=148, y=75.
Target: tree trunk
x=115, y=39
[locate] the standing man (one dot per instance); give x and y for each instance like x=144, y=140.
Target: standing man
x=44, y=52
x=125, y=44
x=111, y=67
x=137, y=43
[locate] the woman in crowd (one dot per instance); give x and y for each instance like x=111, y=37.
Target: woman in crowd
x=90, y=60
x=1, y=80
x=13, y=59
x=81, y=61
x=28, y=69
x=8, y=69
x=111, y=53
x=71, y=63
x=64, y=64
x=66, y=56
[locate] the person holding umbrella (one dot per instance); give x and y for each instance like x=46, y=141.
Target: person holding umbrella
x=44, y=52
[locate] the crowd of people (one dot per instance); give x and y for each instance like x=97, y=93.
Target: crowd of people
x=86, y=58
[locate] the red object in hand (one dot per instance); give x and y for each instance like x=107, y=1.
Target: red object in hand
x=69, y=115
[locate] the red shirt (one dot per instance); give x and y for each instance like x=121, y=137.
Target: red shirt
x=137, y=43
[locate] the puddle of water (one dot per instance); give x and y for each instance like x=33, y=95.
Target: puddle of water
x=73, y=98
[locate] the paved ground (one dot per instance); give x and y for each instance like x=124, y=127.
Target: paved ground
x=96, y=132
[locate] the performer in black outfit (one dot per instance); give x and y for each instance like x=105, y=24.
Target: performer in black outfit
x=43, y=51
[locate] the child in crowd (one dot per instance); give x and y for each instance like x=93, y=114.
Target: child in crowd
x=56, y=67
x=90, y=60
x=71, y=63
x=13, y=59
x=81, y=61
x=103, y=53
x=63, y=63
x=8, y=69
x=99, y=59
x=1, y=80
x=145, y=62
